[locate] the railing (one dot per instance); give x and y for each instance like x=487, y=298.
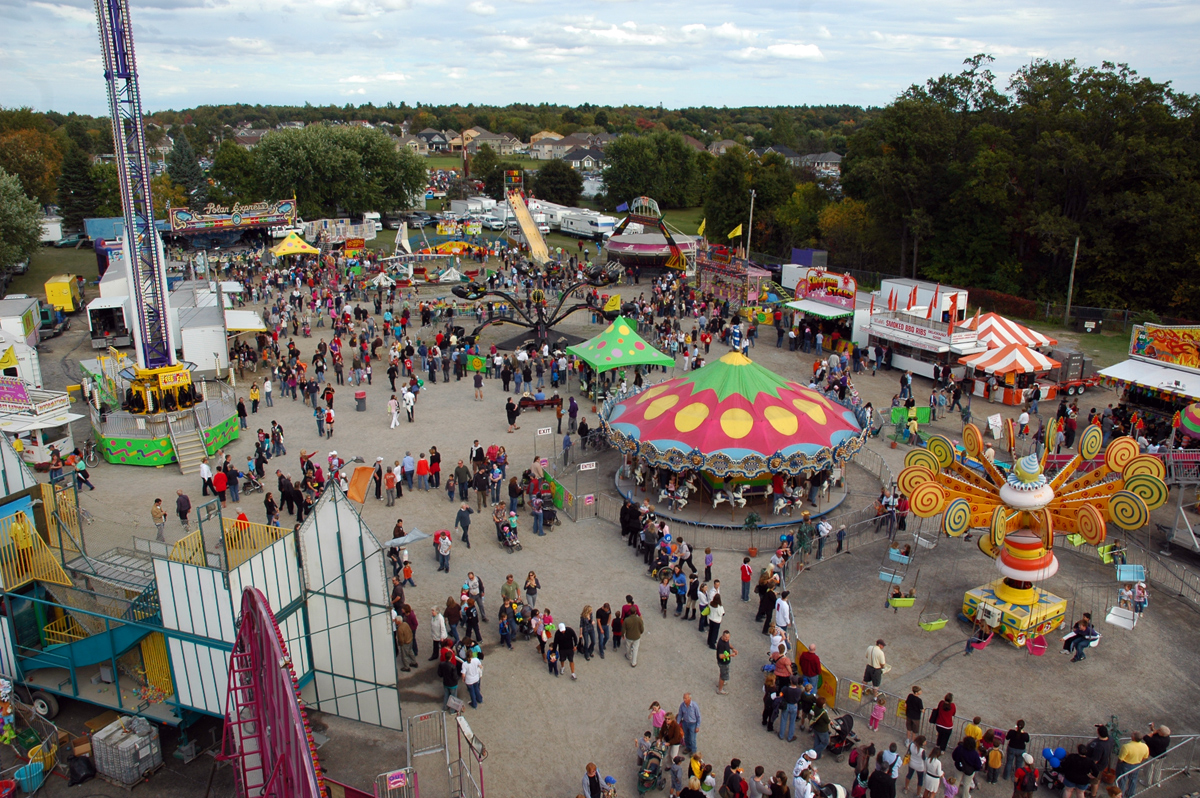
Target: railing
x=24, y=556
x=190, y=549
x=244, y=539
x=220, y=406
x=65, y=630
x=62, y=516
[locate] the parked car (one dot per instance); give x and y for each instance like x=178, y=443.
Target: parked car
x=492, y=223
x=73, y=240
x=420, y=221
x=22, y=267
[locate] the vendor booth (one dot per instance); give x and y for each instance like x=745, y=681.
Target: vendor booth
x=997, y=331
x=1162, y=375
x=728, y=277
x=39, y=419
x=1017, y=369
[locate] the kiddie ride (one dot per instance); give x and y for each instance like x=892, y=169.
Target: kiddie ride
x=1022, y=512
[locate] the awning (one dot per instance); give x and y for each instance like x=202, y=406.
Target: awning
x=1012, y=358
x=819, y=309
x=22, y=423
x=997, y=331
x=1151, y=375
x=243, y=321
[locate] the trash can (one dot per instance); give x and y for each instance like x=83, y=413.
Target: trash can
x=360, y=401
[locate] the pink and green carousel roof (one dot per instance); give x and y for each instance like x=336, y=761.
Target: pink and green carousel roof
x=735, y=417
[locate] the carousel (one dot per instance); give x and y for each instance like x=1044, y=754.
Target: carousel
x=735, y=432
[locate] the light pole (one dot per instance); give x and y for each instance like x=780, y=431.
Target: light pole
x=750, y=229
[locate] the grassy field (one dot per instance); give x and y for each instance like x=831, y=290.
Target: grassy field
x=47, y=262
x=1105, y=348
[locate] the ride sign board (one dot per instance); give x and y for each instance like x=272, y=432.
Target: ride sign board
x=588, y=466
x=1171, y=346
x=830, y=287
x=918, y=330
x=216, y=217
x=545, y=431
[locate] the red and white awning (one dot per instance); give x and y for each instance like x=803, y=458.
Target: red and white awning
x=1013, y=357
x=997, y=331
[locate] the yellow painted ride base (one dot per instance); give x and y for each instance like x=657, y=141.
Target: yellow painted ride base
x=1043, y=613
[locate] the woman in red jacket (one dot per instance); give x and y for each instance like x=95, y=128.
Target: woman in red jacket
x=943, y=719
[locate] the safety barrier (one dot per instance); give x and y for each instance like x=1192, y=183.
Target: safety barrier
x=190, y=549
x=65, y=630
x=244, y=539
x=24, y=556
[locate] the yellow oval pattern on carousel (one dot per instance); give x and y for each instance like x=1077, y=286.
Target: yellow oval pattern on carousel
x=927, y=500
x=624, y=330
x=812, y=410
x=650, y=393
x=736, y=422
x=972, y=441
x=661, y=405
x=691, y=417
x=784, y=421
x=1144, y=464
x=1089, y=443
x=941, y=448
x=912, y=477
x=1119, y=453
x=922, y=457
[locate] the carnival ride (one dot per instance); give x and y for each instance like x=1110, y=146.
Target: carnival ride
x=1023, y=511
x=736, y=424
x=267, y=735
x=540, y=320
x=529, y=229
x=661, y=248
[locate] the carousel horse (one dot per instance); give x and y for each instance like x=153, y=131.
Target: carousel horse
x=735, y=498
x=678, y=497
x=784, y=502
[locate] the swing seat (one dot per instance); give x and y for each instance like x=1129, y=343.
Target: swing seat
x=897, y=603
x=1105, y=553
x=1036, y=645
x=895, y=556
x=933, y=626
x=925, y=543
x=1131, y=573
x=891, y=577
x=980, y=645
x=1119, y=616
x=1075, y=540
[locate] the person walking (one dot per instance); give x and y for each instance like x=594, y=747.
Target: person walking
x=688, y=714
x=716, y=612
x=463, y=520
x=633, y=628
x=876, y=663
x=511, y=411
x=725, y=654
x=443, y=551
x=437, y=630
x=183, y=506
x=159, y=516
x=404, y=641
x=472, y=671
x=532, y=586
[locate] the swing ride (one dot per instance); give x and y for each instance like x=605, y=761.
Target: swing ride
x=1023, y=511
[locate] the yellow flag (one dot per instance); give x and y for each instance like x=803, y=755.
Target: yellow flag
x=9, y=359
x=703, y=222
x=735, y=232
x=614, y=303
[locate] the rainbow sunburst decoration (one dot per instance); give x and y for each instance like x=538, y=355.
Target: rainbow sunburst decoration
x=1023, y=511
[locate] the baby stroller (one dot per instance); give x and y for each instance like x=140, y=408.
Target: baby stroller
x=842, y=738
x=550, y=515
x=252, y=484
x=652, y=775
x=508, y=536
x=523, y=617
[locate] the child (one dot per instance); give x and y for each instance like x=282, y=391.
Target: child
x=664, y=592
x=708, y=561
x=408, y=575
x=995, y=760
x=877, y=713
x=951, y=786
x=657, y=716
x=552, y=659
x=643, y=746
x=676, y=776
x=505, y=629
x=618, y=629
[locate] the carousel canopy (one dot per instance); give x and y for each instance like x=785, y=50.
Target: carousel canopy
x=1013, y=357
x=1189, y=420
x=293, y=245
x=734, y=417
x=619, y=345
x=997, y=332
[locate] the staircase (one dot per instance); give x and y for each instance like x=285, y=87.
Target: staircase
x=242, y=722
x=188, y=442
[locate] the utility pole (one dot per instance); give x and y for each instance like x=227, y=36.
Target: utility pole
x=750, y=229
x=1071, y=284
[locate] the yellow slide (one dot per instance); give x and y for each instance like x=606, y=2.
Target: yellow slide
x=537, y=245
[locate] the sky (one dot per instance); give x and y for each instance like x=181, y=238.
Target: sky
x=609, y=52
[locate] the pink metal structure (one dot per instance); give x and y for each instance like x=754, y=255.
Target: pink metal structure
x=267, y=736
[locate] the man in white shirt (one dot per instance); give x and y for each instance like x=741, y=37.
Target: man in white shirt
x=1022, y=424
x=783, y=612
x=206, y=478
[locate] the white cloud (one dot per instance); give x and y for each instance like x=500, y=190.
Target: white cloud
x=481, y=8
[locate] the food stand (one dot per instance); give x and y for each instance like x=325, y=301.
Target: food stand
x=39, y=419
x=1017, y=368
x=1162, y=375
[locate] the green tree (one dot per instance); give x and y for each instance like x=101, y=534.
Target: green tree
x=108, y=190
x=76, y=189
x=184, y=168
x=493, y=184
x=233, y=174
x=727, y=200
x=558, y=182
x=660, y=165
x=20, y=222
x=332, y=169
x=484, y=163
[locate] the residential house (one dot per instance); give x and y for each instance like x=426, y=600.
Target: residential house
x=694, y=143
x=360, y=123
x=545, y=134
x=503, y=144
x=824, y=163
x=723, y=146
x=585, y=159
x=414, y=143
x=435, y=140
x=789, y=155
x=249, y=137
x=600, y=140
